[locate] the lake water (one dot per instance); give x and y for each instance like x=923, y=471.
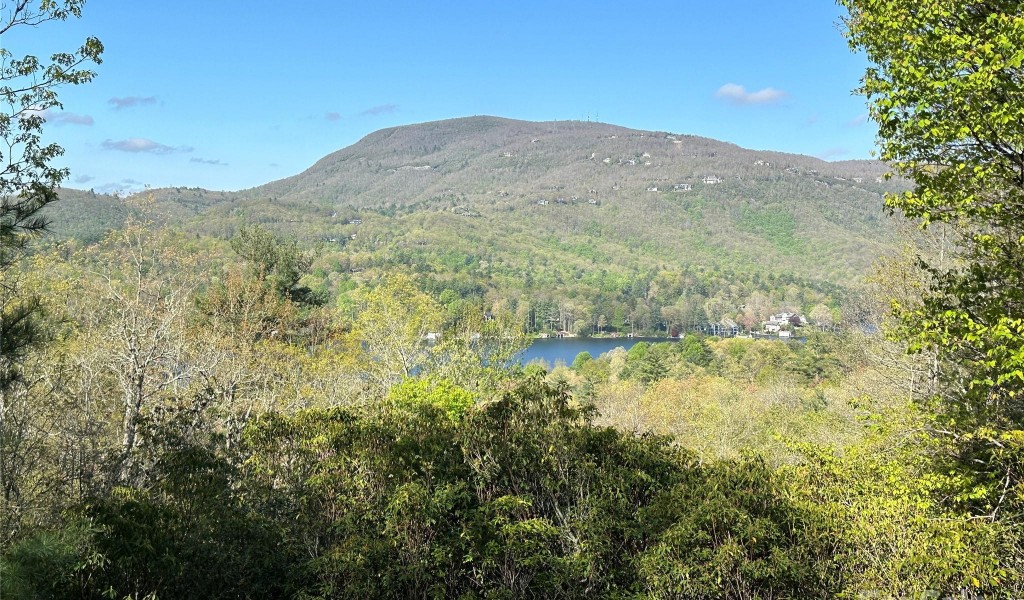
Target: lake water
x=556, y=350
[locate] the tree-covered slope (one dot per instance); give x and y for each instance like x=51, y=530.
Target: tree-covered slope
x=562, y=211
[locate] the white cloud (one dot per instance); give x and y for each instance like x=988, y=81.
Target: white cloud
x=123, y=189
x=138, y=145
x=737, y=94
x=207, y=161
x=59, y=117
x=130, y=101
x=383, y=109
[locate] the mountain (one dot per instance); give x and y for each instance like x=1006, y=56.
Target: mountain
x=476, y=158
x=508, y=204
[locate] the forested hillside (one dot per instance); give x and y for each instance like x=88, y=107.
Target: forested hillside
x=309, y=389
x=563, y=223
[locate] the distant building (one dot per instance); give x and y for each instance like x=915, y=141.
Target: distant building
x=724, y=328
x=712, y=180
x=782, y=322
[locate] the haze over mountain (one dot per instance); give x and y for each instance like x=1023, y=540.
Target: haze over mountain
x=576, y=193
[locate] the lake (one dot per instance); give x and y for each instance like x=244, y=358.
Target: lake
x=555, y=350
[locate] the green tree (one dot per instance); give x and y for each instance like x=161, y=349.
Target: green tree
x=694, y=349
x=393, y=326
x=581, y=360
x=651, y=367
x=276, y=261
x=946, y=87
x=28, y=178
x=28, y=94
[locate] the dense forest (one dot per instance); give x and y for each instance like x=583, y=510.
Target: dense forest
x=216, y=398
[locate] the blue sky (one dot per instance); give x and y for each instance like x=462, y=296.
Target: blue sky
x=228, y=95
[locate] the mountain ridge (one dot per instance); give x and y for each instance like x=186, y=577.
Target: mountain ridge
x=519, y=147
x=561, y=208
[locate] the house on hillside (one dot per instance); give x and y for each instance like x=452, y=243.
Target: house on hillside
x=683, y=187
x=724, y=328
x=783, y=322
x=711, y=180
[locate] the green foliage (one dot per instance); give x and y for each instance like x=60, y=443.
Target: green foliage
x=581, y=360
x=775, y=224
x=29, y=180
x=899, y=524
x=49, y=564
x=694, y=349
x=276, y=261
x=519, y=495
x=651, y=367
x=186, y=534
x=737, y=534
x=437, y=394
x=393, y=324
x=28, y=89
x=947, y=89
